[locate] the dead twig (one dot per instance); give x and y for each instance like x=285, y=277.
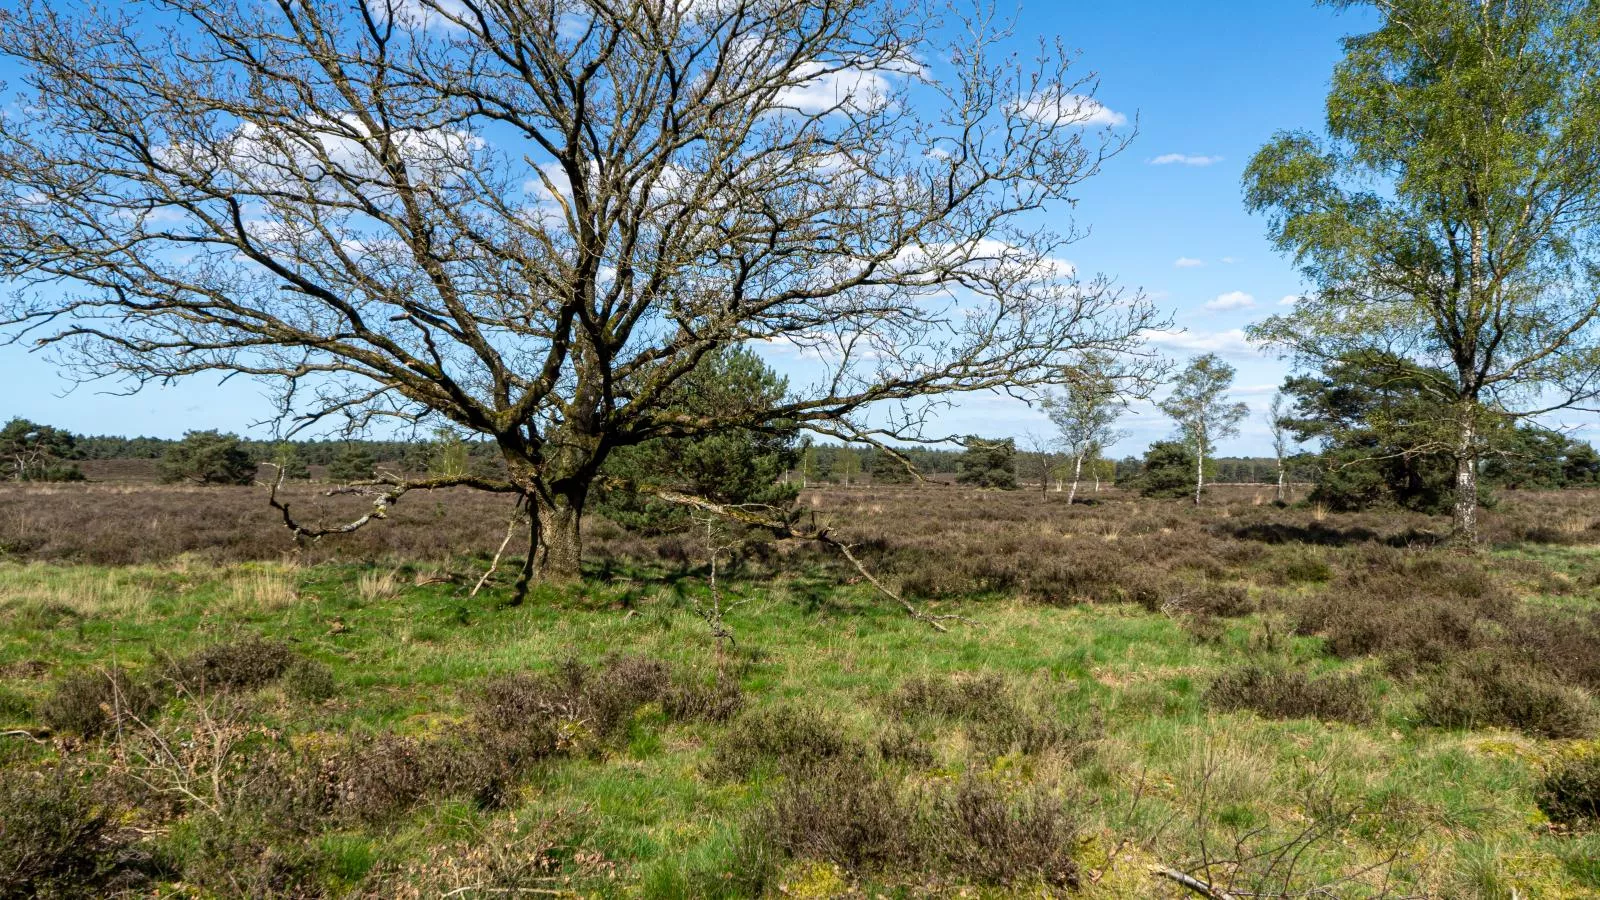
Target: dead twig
x=517, y=518
x=1192, y=883
x=763, y=517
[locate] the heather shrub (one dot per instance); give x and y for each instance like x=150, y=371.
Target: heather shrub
x=997, y=721
x=992, y=838
x=56, y=838
x=91, y=701
x=1279, y=693
x=973, y=831
x=788, y=736
x=1569, y=793
x=1482, y=690
x=839, y=810
x=309, y=679
x=244, y=664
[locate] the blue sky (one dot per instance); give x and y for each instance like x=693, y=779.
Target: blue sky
x=1204, y=82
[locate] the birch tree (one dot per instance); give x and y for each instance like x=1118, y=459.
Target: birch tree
x=1085, y=413
x=1277, y=423
x=1450, y=217
x=1200, y=406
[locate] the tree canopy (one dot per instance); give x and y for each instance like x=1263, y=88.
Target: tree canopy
x=1449, y=218
x=534, y=219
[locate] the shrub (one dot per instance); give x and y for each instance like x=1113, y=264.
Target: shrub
x=1402, y=616
x=236, y=856
x=792, y=736
x=91, y=701
x=309, y=680
x=840, y=811
x=1484, y=690
x=898, y=743
x=238, y=665
x=996, y=839
x=1570, y=791
x=1302, y=567
x=1293, y=694
x=843, y=812
x=998, y=722
x=55, y=839
x=717, y=701
x=208, y=457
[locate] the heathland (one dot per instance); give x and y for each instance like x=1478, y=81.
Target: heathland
x=1269, y=700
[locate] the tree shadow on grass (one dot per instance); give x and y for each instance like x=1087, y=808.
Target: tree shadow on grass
x=1321, y=535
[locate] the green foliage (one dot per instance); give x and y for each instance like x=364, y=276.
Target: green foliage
x=888, y=470
x=353, y=463
x=1167, y=471
x=988, y=463
x=286, y=456
x=208, y=457
x=32, y=452
x=1533, y=457
x=735, y=466
x=449, y=455
x=1199, y=404
x=1384, y=436
x=1451, y=213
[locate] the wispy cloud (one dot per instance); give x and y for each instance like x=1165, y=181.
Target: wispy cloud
x=1289, y=300
x=1230, y=342
x=1231, y=300
x=1184, y=262
x=1069, y=110
x=1184, y=159
x=1228, y=260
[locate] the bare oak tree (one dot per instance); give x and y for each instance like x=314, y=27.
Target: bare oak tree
x=533, y=218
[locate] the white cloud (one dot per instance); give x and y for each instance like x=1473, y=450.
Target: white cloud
x=1289, y=300
x=1228, y=260
x=854, y=89
x=1184, y=262
x=1069, y=110
x=1184, y=159
x=1255, y=390
x=1230, y=342
x=1231, y=300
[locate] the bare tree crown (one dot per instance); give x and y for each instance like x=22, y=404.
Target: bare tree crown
x=534, y=217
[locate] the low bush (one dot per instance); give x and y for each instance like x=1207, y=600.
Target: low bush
x=1280, y=693
x=92, y=701
x=840, y=811
x=1403, y=620
x=972, y=831
x=56, y=839
x=996, y=839
x=1569, y=793
x=790, y=736
x=997, y=720
x=245, y=664
x=1483, y=690
x=308, y=679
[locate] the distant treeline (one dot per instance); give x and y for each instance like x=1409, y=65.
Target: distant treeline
x=313, y=452
x=828, y=463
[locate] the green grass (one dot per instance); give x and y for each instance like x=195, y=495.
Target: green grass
x=1451, y=813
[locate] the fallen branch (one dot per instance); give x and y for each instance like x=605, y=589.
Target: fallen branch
x=386, y=490
x=760, y=516
x=26, y=734
x=1192, y=883
x=517, y=518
